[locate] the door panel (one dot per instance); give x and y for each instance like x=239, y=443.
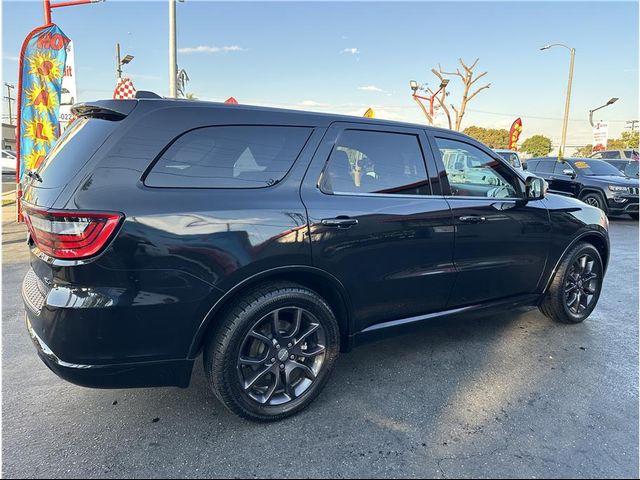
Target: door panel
x=392, y=252
x=501, y=242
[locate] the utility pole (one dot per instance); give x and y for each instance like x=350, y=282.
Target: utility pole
x=9, y=99
x=631, y=123
x=173, y=60
x=118, y=63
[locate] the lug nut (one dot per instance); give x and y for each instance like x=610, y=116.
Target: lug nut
x=277, y=346
x=281, y=365
x=289, y=346
x=273, y=360
x=292, y=357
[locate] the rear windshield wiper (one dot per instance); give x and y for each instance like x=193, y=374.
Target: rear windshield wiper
x=35, y=175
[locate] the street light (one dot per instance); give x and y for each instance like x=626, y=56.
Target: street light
x=414, y=86
x=120, y=63
x=610, y=102
x=565, y=122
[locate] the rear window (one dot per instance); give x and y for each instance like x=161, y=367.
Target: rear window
x=229, y=157
x=73, y=149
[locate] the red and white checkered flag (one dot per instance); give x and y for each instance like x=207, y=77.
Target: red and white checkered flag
x=124, y=89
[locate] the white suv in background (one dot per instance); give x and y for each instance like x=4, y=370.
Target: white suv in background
x=512, y=157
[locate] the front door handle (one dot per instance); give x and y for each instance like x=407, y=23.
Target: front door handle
x=340, y=222
x=473, y=219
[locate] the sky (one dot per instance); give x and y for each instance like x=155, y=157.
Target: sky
x=346, y=57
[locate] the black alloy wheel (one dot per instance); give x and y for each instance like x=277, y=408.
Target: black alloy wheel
x=582, y=283
x=281, y=356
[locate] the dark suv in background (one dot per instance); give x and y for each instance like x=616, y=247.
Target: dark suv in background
x=595, y=182
x=270, y=240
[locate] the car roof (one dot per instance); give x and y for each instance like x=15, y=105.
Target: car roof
x=316, y=118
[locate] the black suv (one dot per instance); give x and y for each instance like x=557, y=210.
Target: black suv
x=595, y=182
x=271, y=240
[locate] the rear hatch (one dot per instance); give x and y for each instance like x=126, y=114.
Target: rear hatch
x=78, y=144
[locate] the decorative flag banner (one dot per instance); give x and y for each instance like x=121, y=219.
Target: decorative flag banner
x=42, y=64
x=231, y=101
x=514, y=133
x=369, y=113
x=124, y=90
x=600, y=136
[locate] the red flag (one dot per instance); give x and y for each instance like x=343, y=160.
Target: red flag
x=231, y=101
x=514, y=133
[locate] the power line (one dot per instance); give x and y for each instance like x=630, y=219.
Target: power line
x=531, y=116
x=632, y=125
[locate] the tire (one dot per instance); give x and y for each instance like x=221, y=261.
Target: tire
x=239, y=355
x=595, y=199
x=634, y=216
x=559, y=302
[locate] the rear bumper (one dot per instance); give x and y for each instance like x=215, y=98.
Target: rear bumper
x=162, y=373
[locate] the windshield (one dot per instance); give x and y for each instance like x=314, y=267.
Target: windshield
x=590, y=167
x=631, y=170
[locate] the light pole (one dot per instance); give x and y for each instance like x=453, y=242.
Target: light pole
x=9, y=99
x=565, y=122
x=414, y=87
x=610, y=102
x=173, y=56
x=120, y=63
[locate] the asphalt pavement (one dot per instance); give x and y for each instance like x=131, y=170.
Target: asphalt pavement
x=513, y=395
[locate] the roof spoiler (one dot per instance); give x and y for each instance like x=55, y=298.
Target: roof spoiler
x=105, y=109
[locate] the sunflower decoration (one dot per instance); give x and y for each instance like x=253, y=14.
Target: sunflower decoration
x=41, y=131
x=34, y=159
x=42, y=98
x=45, y=66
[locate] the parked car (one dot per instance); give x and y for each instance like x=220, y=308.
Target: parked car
x=628, y=167
x=162, y=229
x=8, y=161
x=628, y=153
x=595, y=182
x=512, y=157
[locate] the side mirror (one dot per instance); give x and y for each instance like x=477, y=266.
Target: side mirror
x=568, y=171
x=536, y=188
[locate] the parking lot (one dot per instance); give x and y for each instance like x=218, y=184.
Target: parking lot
x=506, y=396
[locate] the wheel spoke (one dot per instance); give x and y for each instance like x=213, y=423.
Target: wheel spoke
x=275, y=323
x=297, y=322
x=276, y=383
x=253, y=361
x=589, y=267
x=570, y=288
x=259, y=336
x=256, y=377
x=578, y=301
x=583, y=263
x=314, y=327
x=306, y=368
x=319, y=349
x=291, y=392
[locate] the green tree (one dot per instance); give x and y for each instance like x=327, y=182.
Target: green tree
x=583, y=151
x=537, y=146
x=491, y=137
x=631, y=139
x=616, y=144
x=191, y=96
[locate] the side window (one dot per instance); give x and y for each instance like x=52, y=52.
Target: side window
x=532, y=165
x=560, y=167
x=229, y=157
x=610, y=155
x=546, y=166
x=472, y=172
x=364, y=161
x=596, y=155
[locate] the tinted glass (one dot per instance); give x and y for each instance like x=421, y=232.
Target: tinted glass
x=511, y=157
x=472, y=172
x=532, y=165
x=229, y=157
x=592, y=167
x=631, y=170
x=73, y=149
x=631, y=154
x=376, y=162
x=612, y=154
x=546, y=166
x=560, y=167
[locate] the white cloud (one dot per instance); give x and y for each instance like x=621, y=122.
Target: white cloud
x=352, y=51
x=207, y=49
x=371, y=88
x=11, y=58
x=311, y=103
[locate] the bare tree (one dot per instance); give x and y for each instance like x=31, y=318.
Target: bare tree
x=468, y=81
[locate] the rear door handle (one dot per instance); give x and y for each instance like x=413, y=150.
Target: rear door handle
x=472, y=219
x=340, y=222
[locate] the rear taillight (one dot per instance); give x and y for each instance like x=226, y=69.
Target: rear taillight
x=68, y=234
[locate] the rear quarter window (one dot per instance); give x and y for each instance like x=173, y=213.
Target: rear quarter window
x=229, y=157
